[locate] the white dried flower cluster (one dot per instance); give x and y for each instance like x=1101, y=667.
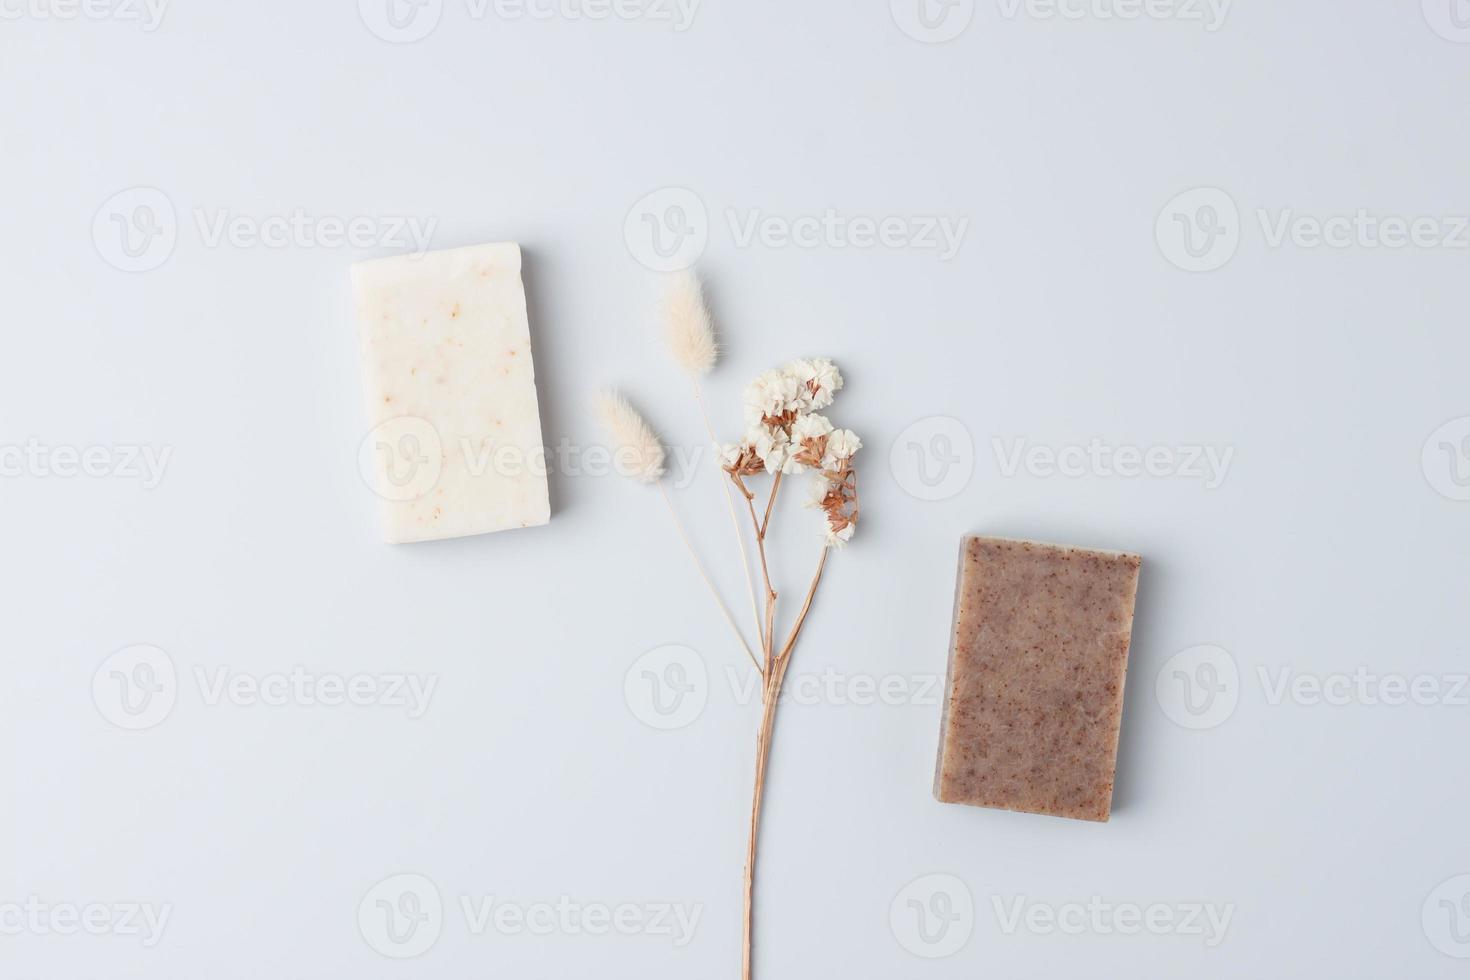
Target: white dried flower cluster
x=785, y=433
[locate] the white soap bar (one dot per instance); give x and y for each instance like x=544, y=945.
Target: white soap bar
x=455, y=446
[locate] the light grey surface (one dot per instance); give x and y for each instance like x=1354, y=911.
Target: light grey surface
x=1333, y=834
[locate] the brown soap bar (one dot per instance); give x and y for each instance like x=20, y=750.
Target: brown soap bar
x=1034, y=697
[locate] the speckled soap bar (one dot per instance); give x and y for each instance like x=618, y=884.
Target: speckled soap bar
x=1034, y=697
x=451, y=393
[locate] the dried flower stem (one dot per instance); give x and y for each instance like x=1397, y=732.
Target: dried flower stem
x=770, y=697
x=770, y=504
x=699, y=565
x=734, y=524
x=760, y=540
x=786, y=433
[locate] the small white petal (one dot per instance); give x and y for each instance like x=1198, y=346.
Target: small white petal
x=816, y=492
x=776, y=459
x=836, y=539
x=810, y=427
x=843, y=444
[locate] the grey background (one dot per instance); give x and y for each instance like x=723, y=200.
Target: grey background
x=1327, y=548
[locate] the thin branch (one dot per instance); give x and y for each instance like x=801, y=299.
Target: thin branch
x=760, y=538
x=734, y=519
x=805, y=607
x=663, y=492
x=770, y=504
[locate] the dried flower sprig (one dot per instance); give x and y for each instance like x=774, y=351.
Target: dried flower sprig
x=641, y=455
x=690, y=333
x=785, y=433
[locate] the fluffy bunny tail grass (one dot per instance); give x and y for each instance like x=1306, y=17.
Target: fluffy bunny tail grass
x=636, y=450
x=687, y=326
